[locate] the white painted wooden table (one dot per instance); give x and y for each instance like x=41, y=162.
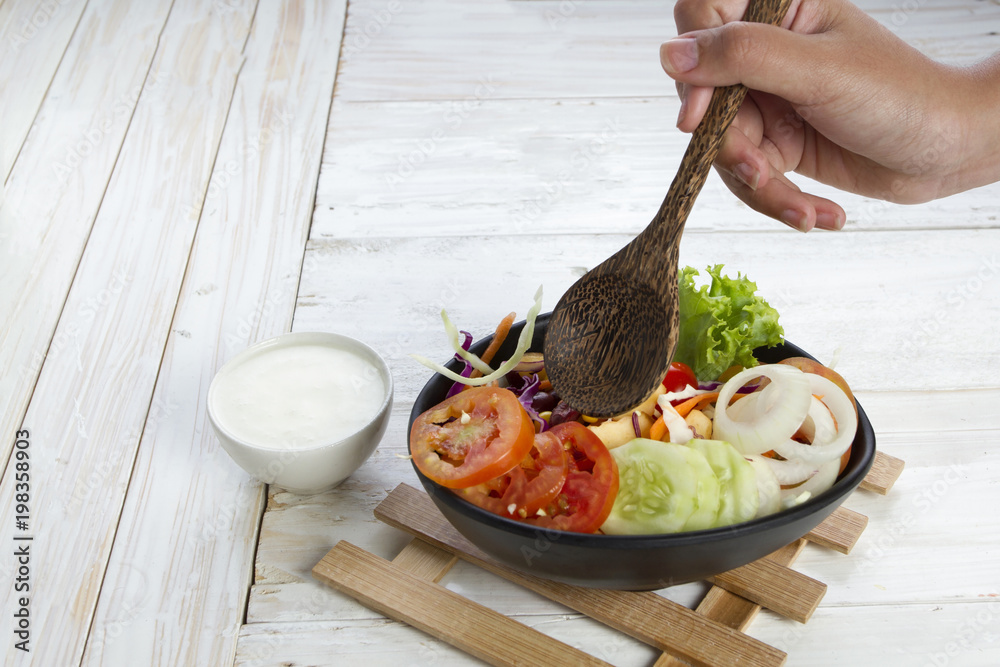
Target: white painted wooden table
x=183, y=178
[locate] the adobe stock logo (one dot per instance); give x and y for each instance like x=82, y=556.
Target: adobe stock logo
x=958, y=296
x=29, y=28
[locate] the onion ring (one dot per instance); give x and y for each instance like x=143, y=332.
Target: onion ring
x=790, y=472
x=814, y=486
x=780, y=409
x=821, y=450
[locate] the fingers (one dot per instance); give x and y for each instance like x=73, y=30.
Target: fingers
x=694, y=15
x=783, y=200
x=761, y=57
x=698, y=14
x=752, y=167
x=714, y=48
x=694, y=104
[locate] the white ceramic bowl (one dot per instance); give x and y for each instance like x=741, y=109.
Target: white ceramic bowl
x=271, y=408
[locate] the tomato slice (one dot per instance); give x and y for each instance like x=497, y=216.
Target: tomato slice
x=525, y=488
x=679, y=376
x=588, y=495
x=471, y=437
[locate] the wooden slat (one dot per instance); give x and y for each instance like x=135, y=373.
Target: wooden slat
x=239, y=287
x=91, y=401
x=735, y=611
x=646, y=616
x=840, y=531
x=424, y=561
x=780, y=589
x=885, y=471
x=475, y=629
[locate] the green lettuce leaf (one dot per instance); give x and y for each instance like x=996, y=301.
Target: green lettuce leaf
x=722, y=323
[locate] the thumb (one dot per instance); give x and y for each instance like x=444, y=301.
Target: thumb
x=761, y=57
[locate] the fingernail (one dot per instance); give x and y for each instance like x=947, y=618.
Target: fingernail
x=747, y=175
x=794, y=219
x=679, y=55
x=831, y=221
x=682, y=112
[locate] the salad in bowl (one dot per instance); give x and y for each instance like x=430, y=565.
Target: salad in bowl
x=746, y=445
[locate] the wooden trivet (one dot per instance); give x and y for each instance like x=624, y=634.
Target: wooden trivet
x=406, y=589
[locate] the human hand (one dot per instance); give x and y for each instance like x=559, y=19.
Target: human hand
x=836, y=97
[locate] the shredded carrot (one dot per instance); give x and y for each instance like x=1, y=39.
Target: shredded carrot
x=545, y=385
x=658, y=429
x=700, y=401
x=498, y=338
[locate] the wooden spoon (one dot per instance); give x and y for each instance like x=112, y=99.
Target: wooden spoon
x=612, y=335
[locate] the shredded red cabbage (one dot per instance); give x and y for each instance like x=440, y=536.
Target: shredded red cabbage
x=466, y=369
x=635, y=424
x=525, y=389
x=714, y=386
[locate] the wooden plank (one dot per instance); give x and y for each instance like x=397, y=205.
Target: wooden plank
x=90, y=404
x=424, y=561
x=599, y=48
x=920, y=411
x=812, y=306
x=840, y=531
x=927, y=512
x=780, y=589
x=33, y=37
x=475, y=629
x=881, y=634
x=381, y=642
x=565, y=166
x=885, y=471
x=626, y=34
x=579, y=144
x=646, y=616
x=296, y=531
x=265, y=171
x=56, y=188
x=928, y=633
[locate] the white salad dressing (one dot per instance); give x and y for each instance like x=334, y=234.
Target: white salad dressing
x=298, y=396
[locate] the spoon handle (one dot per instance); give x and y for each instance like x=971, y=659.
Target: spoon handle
x=668, y=223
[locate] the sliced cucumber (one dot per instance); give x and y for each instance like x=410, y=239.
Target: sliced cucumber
x=663, y=488
x=768, y=488
x=738, y=497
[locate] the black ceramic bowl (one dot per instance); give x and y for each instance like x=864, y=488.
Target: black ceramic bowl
x=636, y=562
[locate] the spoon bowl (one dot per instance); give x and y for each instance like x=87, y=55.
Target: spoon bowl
x=613, y=333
